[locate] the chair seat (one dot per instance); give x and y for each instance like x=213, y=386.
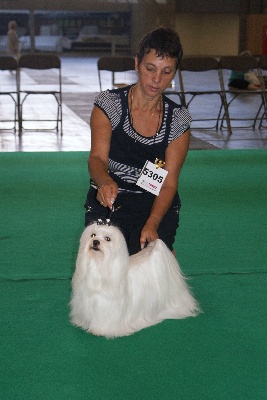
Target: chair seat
x=53, y=92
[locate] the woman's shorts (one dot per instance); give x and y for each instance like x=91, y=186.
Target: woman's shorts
x=131, y=211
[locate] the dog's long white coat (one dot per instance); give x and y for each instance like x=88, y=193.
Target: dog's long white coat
x=115, y=295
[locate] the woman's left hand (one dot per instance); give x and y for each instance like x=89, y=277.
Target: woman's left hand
x=148, y=234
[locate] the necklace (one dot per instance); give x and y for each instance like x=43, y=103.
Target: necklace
x=159, y=103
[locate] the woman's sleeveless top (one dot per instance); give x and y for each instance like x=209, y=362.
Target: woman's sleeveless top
x=128, y=149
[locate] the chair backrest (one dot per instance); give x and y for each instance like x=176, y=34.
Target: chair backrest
x=8, y=63
x=39, y=61
x=262, y=62
x=199, y=64
x=115, y=64
x=238, y=63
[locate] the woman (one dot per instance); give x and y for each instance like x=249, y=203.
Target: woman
x=129, y=127
x=13, y=44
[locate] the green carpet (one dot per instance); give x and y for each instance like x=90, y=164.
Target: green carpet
x=221, y=246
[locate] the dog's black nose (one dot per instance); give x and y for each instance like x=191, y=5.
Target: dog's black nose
x=96, y=243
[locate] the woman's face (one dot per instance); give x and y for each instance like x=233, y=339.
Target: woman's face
x=155, y=73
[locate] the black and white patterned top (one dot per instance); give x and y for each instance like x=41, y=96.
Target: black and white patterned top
x=128, y=149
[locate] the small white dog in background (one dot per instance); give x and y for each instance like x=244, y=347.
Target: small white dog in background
x=114, y=294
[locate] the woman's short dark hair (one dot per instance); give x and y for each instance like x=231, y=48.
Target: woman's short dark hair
x=166, y=43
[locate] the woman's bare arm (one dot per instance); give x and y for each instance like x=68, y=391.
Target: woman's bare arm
x=175, y=157
x=98, y=159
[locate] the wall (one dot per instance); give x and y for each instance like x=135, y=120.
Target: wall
x=219, y=6
x=254, y=33
x=146, y=18
x=208, y=34
x=201, y=34
x=89, y=5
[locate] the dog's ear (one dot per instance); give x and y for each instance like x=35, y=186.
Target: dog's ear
x=86, y=236
x=116, y=260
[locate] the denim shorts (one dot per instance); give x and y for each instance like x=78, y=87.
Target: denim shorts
x=131, y=211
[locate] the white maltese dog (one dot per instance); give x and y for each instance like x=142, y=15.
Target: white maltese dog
x=114, y=294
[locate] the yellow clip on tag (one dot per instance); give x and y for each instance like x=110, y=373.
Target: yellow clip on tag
x=159, y=163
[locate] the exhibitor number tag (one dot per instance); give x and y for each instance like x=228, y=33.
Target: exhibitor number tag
x=152, y=178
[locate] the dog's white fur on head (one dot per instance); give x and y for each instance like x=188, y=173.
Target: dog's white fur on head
x=114, y=294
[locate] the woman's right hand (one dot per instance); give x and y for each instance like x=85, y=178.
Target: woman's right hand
x=107, y=193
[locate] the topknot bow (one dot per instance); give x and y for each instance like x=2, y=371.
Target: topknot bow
x=103, y=221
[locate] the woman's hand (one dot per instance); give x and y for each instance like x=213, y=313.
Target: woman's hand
x=107, y=193
x=101, y=131
x=175, y=156
x=149, y=232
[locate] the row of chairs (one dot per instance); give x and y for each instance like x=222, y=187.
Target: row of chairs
x=23, y=90
x=217, y=72
x=216, y=84
x=192, y=83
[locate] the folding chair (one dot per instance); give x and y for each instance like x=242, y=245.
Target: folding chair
x=116, y=65
x=262, y=73
x=9, y=66
x=250, y=101
x=197, y=77
x=47, y=67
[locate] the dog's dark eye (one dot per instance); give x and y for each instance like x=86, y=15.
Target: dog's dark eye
x=107, y=239
x=93, y=235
